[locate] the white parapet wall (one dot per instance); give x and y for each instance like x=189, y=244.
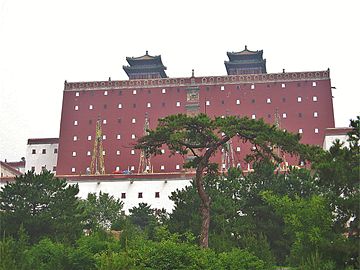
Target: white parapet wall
x=154, y=192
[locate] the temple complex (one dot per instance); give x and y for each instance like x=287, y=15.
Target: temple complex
x=302, y=100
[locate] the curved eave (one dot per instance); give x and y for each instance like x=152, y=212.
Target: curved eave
x=233, y=56
x=145, y=70
x=245, y=62
x=144, y=60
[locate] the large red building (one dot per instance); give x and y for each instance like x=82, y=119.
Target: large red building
x=303, y=101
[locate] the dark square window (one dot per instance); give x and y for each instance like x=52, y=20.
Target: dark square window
x=140, y=195
x=44, y=151
x=43, y=167
x=269, y=115
x=222, y=102
x=54, y=168
x=55, y=150
x=120, y=92
x=207, y=88
x=238, y=87
x=119, y=120
x=134, y=105
x=33, y=168
x=300, y=114
x=268, y=85
x=283, y=99
x=123, y=195
x=157, y=194
x=253, y=101
x=105, y=106
x=163, y=104
x=33, y=151
x=149, y=91
x=90, y=122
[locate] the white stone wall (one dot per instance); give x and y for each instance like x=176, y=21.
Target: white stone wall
x=132, y=189
x=330, y=139
x=38, y=160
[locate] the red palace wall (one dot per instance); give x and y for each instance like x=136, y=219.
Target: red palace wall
x=169, y=96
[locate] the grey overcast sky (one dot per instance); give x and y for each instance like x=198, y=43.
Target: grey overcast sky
x=43, y=43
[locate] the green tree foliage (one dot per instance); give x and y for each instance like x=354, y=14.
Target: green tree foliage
x=241, y=218
x=307, y=220
x=339, y=173
x=142, y=216
x=171, y=255
x=43, y=205
x=101, y=212
x=201, y=137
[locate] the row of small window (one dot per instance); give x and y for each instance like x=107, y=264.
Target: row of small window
x=252, y=86
x=207, y=102
x=140, y=195
x=120, y=106
x=132, y=152
x=43, y=168
x=222, y=88
x=131, y=168
x=163, y=91
x=284, y=115
x=118, y=137
x=133, y=120
x=43, y=151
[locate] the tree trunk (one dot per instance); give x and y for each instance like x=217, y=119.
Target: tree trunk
x=205, y=225
x=204, y=207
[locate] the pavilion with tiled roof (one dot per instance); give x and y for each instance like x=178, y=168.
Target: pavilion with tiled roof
x=245, y=62
x=145, y=67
